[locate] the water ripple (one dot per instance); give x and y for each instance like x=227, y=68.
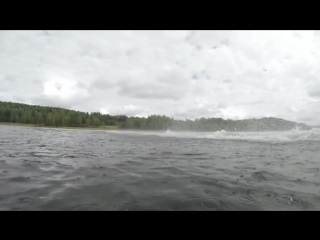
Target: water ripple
x=56, y=169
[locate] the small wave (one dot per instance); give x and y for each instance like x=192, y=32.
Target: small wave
x=280, y=136
x=297, y=135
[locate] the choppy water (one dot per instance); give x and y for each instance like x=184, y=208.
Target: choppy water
x=55, y=169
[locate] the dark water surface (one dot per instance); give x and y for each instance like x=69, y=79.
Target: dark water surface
x=56, y=169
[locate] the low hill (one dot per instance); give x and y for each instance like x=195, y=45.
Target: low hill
x=59, y=117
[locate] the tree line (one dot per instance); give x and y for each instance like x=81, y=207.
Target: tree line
x=51, y=116
x=59, y=117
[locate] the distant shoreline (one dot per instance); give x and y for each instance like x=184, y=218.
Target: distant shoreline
x=39, y=126
x=18, y=114
x=113, y=128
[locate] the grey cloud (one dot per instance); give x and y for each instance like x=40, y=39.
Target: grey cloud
x=225, y=42
x=312, y=83
x=314, y=93
x=203, y=75
x=58, y=86
x=309, y=113
x=57, y=102
x=129, y=110
x=195, y=112
x=190, y=35
x=252, y=103
x=177, y=73
x=102, y=84
x=152, y=91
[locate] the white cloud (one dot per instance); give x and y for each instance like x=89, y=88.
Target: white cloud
x=193, y=74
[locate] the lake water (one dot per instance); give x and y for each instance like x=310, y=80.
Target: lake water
x=63, y=169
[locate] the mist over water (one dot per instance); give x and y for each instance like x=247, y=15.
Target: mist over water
x=281, y=136
x=59, y=169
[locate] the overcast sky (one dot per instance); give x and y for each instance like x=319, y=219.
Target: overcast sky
x=181, y=74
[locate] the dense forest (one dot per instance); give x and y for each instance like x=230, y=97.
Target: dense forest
x=59, y=117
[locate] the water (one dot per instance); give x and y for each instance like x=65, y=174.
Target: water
x=57, y=169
